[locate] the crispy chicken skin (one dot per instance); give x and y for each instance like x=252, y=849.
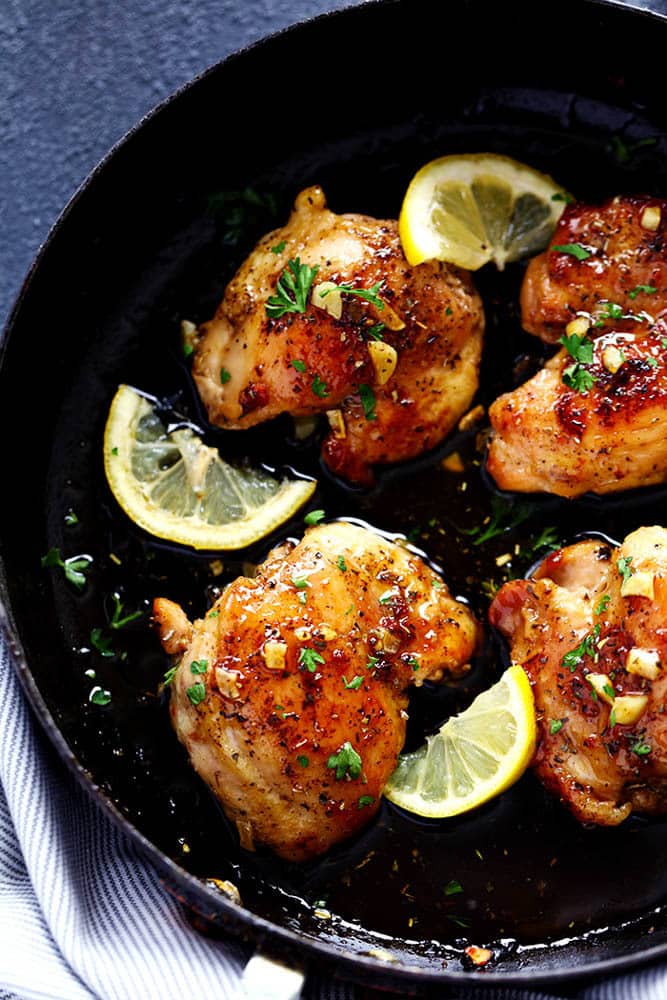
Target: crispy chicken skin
x=612, y=635
x=624, y=255
x=311, y=660
x=550, y=438
x=433, y=319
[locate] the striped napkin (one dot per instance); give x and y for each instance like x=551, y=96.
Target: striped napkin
x=82, y=914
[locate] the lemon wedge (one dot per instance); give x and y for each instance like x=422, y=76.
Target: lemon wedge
x=475, y=755
x=175, y=487
x=468, y=210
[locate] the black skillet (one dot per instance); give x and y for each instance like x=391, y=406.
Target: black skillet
x=355, y=101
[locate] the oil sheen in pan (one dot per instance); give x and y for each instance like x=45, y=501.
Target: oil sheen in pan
x=527, y=871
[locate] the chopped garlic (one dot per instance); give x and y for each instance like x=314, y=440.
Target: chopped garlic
x=629, y=708
x=390, y=317
x=602, y=687
x=651, y=218
x=274, y=654
x=638, y=585
x=453, y=463
x=337, y=423
x=612, y=359
x=504, y=559
x=226, y=888
x=643, y=662
x=471, y=418
x=328, y=296
x=303, y=633
x=227, y=681
x=384, y=358
x=327, y=633
x=578, y=326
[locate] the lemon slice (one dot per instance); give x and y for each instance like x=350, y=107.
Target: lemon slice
x=475, y=756
x=468, y=210
x=175, y=487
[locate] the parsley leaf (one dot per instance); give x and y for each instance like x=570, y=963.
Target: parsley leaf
x=279, y=247
x=577, y=378
x=573, y=249
x=196, y=693
x=319, y=387
x=199, y=666
x=74, y=568
x=602, y=604
x=299, y=365
x=71, y=518
x=98, y=696
x=303, y=760
x=118, y=620
x=346, y=761
x=342, y=565
x=623, y=567
x=292, y=290
x=242, y=210
x=547, y=539
x=367, y=397
x=453, y=888
x=580, y=348
x=372, y=662
x=225, y=376
x=555, y=726
x=310, y=659
x=101, y=643
x=586, y=647
x=365, y=800
x=624, y=151
x=368, y=294
x=375, y=331
x=354, y=684
x=314, y=517
x=645, y=289
x=641, y=749
x=563, y=196
x=505, y=515
x=169, y=676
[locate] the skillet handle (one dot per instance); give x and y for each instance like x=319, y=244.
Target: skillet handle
x=265, y=978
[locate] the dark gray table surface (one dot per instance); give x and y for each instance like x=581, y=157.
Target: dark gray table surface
x=76, y=74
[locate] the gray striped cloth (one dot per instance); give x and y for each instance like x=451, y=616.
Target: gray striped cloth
x=83, y=916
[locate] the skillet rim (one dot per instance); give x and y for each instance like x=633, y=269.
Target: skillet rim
x=270, y=937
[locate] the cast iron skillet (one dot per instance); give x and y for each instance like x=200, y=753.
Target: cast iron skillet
x=355, y=101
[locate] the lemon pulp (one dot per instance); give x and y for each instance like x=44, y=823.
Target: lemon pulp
x=475, y=755
x=177, y=488
x=470, y=209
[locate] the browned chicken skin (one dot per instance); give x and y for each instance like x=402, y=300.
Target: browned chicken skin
x=309, y=362
x=303, y=673
x=624, y=256
x=594, y=645
x=610, y=435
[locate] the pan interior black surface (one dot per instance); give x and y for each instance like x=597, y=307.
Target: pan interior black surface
x=152, y=240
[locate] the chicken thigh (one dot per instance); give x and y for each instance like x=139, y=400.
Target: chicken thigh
x=326, y=315
x=291, y=693
x=594, y=419
x=589, y=629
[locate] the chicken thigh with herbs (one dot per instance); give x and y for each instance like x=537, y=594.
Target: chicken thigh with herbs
x=595, y=417
x=326, y=315
x=589, y=629
x=291, y=693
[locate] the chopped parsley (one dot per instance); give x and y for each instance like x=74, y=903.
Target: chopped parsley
x=653, y=362
x=314, y=517
x=342, y=565
x=580, y=348
x=367, y=397
x=74, y=568
x=118, y=619
x=375, y=331
x=577, y=378
x=624, y=151
x=624, y=568
x=453, y=888
x=101, y=643
x=562, y=196
x=169, y=676
x=642, y=289
x=299, y=365
x=602, y=604
x=98, y=696
x=547, y=539
x=242, y=210
x=641, y=748
x=300, y=582
x=368, y=294
x=586, y=647
x=319, y=387
x=225, y=376
x=310, y=659
x=71, y=518
x=199, y=666
x=611, y=310
x=555, y=726
x=505, y=515
x=303, y=760
x=663, y=343
x=292, y=290
x=573, y=249
x=279, y=247
x=372, y=662
x=354, y=684
x=612, y=718
x=413, y=662
x=196, y=693
x=365, y=800
x=346, y=762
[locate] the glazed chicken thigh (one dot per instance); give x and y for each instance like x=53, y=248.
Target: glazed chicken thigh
x=589, y=629
x=595, y=417
x=291, y=693
x=392, y=359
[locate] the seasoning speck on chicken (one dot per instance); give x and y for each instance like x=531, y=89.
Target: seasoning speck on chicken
x=294, y=711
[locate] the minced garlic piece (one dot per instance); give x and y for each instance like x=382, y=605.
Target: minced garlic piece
x=578, y=326
x=629, y=708
x=227, y=681
x=390, y=317
x=227, y=888
x=471, y=418
x=384, y=358
x=274, y=654
x=302, y=633
x=651, y=218
x=337, y=423
x=602, y=687
x=640, y=584
x=328, y=296
x=453, y=463
x=327, y=633
x=612, y=359
x=643, y=662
